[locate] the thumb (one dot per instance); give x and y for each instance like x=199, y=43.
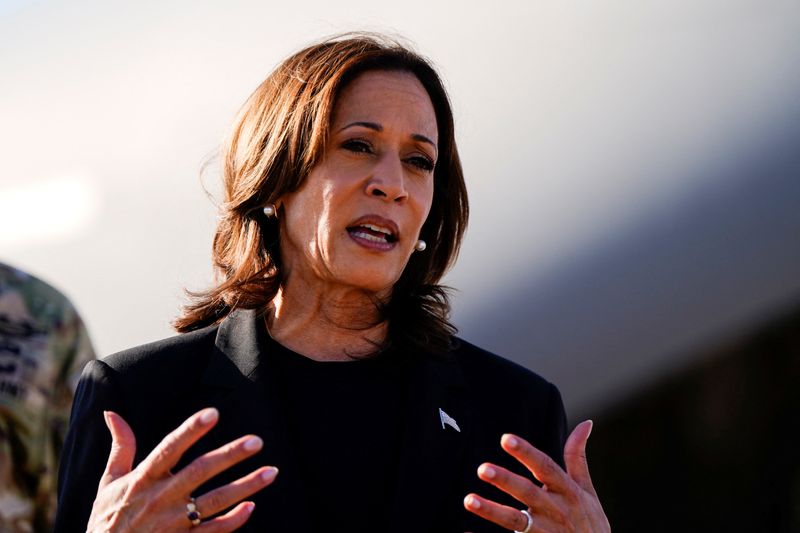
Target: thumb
x=575, y=456
x=123, y=448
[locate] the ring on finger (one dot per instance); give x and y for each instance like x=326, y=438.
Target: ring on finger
x=192, y=513
x=529, y=523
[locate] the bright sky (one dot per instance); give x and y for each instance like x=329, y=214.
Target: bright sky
x=575, y=120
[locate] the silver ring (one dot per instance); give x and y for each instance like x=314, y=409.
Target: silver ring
x=530, y=521
x=192, y=513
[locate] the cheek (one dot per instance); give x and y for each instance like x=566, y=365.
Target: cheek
x=325, y=215
x=308, y=212
x=325, y=235
x=425, y=203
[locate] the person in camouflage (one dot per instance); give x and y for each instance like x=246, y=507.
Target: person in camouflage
x=43, y=347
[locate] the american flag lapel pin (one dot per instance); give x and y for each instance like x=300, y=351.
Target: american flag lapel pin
x=448, y=420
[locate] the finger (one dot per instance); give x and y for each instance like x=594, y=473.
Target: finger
x=212, y=463
x=220, y=499
x=230, y=521
x=123, y=448
x=169, y=451
x=575, y=456
x=502, y=515
x=523, y=490
x=538, y=463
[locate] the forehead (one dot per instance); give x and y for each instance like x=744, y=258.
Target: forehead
x=394, y=99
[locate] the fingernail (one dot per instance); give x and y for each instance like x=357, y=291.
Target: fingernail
x=253, y=443
x=512, y=442
x=209, y=415
x=591, y=425
x=487, y=471
x=472, y=502
x=248, y=507
x=269, y=474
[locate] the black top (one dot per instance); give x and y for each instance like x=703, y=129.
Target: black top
x=344, y=421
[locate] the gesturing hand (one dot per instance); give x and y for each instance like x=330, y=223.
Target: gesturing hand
x=151, y=498
x=567, y=501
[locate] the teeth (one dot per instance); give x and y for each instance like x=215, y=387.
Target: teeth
x=368, y=236
x=377, y=228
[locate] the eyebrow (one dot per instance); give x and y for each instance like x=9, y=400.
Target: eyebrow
x=377, y=127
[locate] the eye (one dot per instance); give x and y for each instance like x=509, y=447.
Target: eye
x=421, y=162
x=357, y=146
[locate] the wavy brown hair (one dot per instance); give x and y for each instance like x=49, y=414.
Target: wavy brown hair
x=279, y=135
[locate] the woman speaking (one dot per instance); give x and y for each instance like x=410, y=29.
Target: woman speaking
x=324, y=349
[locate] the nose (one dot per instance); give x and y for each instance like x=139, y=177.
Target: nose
x=387, y=181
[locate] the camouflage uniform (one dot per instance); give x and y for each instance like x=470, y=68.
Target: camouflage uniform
x=43, y=347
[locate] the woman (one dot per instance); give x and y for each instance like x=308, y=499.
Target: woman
x=325, y=348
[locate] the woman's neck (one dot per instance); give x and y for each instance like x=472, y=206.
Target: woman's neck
x=326, y=323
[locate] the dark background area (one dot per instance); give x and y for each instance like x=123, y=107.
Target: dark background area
x=711, y=448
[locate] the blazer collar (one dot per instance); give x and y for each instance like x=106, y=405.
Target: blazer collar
x=248, y=396
x=239, y=344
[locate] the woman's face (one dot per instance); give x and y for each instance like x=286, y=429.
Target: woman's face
x=356, y=218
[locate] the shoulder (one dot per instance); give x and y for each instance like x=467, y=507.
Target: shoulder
x=508, y=398
x=180, y=354
x=489, y=369
x=153, y=386
x=498, y=385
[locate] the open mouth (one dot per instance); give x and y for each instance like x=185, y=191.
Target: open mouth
x=373, y=233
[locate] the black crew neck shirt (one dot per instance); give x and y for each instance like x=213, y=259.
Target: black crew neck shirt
x=345, y=422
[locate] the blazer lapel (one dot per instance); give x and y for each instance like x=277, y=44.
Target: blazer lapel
x=428, y=494
x=246, y=392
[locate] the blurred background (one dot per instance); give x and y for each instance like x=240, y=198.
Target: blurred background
x=634, y=171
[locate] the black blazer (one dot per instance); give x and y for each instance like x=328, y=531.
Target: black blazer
x=156, y=386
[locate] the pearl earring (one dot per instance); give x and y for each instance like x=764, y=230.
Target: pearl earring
x=270, y=211
x=420, y=246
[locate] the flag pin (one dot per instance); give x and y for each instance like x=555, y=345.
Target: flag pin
x=448, y=420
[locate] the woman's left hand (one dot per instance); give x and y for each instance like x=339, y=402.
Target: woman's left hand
x=567, y=501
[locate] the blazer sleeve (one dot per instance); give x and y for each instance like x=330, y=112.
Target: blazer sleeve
x=556, y=438
x=86, y=447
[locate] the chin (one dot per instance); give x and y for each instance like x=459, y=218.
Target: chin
x=374, y=281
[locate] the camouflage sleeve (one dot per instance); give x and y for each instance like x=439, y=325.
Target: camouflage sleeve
x=82, y=353
x=43, y=344
x=76, y=350
x=71, y=350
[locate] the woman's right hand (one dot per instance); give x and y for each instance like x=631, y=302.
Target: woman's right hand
x=151, y=498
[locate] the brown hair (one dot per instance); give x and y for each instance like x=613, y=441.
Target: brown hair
x=278, y=136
